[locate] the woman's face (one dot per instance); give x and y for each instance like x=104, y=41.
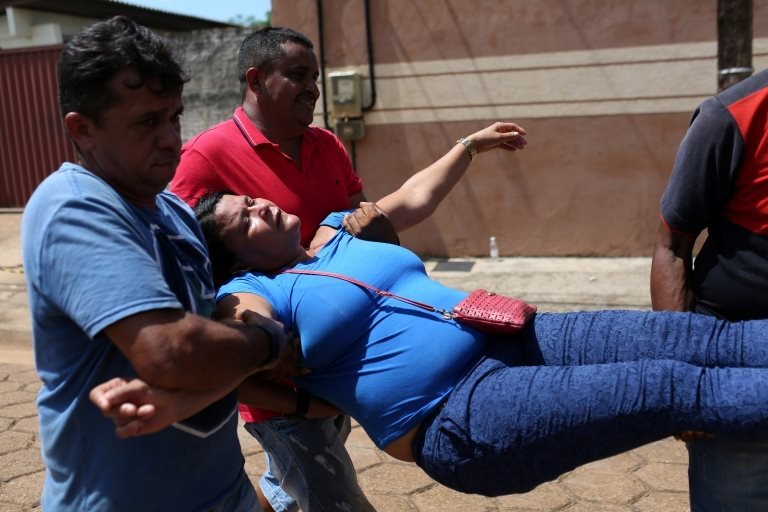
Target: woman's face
x=261, y=235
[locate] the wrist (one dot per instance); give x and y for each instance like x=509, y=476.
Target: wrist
x=469, y=146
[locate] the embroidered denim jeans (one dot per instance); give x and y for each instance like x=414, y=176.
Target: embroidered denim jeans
x=576, y=387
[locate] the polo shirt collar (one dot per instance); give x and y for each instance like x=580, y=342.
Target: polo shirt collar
x=254, y=136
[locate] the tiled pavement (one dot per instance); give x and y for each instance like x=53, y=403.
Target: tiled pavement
x=649, y=479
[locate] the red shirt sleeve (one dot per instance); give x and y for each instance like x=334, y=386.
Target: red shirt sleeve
x=195, y=176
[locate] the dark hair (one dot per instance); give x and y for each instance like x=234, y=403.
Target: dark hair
x=98, y=52
x=261, y=48
x=223, y=260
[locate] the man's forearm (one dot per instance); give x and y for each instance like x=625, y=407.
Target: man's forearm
x=179, y=350
x=669, y=284
x=138, y=408
x=671, y=270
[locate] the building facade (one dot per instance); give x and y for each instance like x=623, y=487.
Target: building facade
x=605, y=89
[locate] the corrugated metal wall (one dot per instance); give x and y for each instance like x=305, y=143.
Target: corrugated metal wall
x=32, y=139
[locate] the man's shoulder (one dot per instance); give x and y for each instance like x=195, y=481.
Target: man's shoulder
x=210, y=139
x=68, y=172
x=752, y=88
x=72, y=185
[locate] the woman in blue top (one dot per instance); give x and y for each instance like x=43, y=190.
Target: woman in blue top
x=480, y=415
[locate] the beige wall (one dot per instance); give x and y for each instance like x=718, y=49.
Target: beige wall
x=604, y=88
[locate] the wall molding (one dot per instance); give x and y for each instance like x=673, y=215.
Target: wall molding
x=613, y=81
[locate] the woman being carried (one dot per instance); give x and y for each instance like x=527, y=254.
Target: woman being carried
x=482, y=415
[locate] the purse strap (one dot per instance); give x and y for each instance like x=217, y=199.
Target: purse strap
x=444, y=312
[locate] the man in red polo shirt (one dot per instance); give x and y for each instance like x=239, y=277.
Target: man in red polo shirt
x=268, y=149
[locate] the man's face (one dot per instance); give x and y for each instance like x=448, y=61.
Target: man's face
x=136, y=143
x=288, y=92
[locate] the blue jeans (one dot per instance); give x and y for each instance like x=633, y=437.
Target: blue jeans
x=725, y=475
x=577, y=387
x=728, y=476
x=308, y=466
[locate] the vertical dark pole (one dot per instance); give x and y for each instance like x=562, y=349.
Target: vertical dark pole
x=734, y=41
x=321, y=47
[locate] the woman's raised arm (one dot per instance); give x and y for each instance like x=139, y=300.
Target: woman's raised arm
x=418, y=197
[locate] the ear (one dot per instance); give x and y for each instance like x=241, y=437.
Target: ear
x=81, y=129
x=253, y=77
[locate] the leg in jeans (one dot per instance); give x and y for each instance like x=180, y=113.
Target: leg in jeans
x=728, y=476
x=613, y=336
x=509, y=426
x=269, y=484
x=309, y=465
x=724, y=475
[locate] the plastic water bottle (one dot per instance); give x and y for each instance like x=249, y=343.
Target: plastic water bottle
x=494, y=248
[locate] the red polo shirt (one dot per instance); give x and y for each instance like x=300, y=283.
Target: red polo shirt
x=234, y=155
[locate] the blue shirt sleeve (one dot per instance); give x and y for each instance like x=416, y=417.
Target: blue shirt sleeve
x=335, y=219
x=93, y=261
x=265, y=287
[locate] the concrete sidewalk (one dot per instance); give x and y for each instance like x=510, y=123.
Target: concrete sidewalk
x=648, y=479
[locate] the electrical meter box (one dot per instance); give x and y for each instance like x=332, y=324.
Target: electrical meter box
x=346, y=94
x=350, y=129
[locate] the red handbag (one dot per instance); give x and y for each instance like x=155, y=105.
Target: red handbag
x=493, y=313
x=481, y=309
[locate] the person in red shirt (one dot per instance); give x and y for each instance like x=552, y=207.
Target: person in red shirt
x=268, y=149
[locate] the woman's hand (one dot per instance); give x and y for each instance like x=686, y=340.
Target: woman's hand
x=508, y=136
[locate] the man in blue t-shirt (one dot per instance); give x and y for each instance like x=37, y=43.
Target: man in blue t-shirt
x=119, y=285
x=720, y=183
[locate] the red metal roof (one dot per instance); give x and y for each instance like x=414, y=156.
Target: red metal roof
x=33, y=143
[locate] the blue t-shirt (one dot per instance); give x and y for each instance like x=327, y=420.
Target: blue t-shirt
x=91, y=259
x=384, y=362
